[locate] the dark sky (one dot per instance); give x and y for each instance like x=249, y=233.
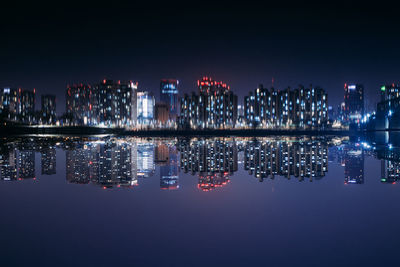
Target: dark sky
x=48, y=46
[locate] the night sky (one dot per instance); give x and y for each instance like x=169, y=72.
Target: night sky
x=49, y=46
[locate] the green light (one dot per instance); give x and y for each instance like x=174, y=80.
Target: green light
x=383, y=88
x=383, y=180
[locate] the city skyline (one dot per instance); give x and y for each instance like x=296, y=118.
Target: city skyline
x=214, y=105
x=335, y=99
x=305, y=44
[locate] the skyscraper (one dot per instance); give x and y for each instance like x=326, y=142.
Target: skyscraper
x=353, y=102
x=27, y=105
x=390, y=91
x=161, y=114
x=115, y=102
x=10, y=103
x=145, y=108
x=48, y=109
x=169, y=95
x=298, y=108
x=107, y=103
x=82, y=105
x=214, y=108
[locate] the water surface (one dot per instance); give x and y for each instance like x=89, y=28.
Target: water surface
x=86, y=201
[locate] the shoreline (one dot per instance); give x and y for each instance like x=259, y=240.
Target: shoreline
x=83, y=130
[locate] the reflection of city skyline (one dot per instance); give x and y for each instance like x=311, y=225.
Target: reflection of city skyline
x=114, y=162
x=213, y=160
x=286, y=158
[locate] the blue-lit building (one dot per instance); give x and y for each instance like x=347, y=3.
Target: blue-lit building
x=145, y=108
x=390, y=91
x=169, y=96
x=388, y=110
x=299, y=108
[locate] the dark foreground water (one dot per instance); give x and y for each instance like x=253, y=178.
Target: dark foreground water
x=203, y=202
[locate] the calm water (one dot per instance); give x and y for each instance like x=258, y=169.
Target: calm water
x=180, y=202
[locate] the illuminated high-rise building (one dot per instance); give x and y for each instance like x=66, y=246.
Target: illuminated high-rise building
x=353, y=103
x=107, y=103
x=390, y=91
x=10, y=103
x=27, y=105
x=169, y=96
x=298, y=108
x=115, y=102
x=145, y=108
x=48, y=109
x=82, y=105
x=214, y=108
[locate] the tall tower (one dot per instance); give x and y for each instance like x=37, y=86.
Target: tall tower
x=169, y=95
x=353, y=102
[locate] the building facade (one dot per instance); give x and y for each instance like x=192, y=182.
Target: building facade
x=169, y=96
x=161, y=114
x=353, y=103
x=215, y=107
x=299, y=108
x=108, y=103
x=145, y=108
x=81, y=105
x=48, y=111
